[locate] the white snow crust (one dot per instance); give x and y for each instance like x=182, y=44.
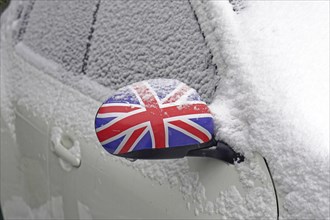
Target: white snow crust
x=273, y=95
x=139, y=40
x=59, y=31
x=25, y=68
x=259, y=106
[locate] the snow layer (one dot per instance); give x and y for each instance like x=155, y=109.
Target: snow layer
x=24, y=71
x=230, y=203
x=273, y=95
x=58, y=31
x=251, y=115
x=120, y=42
x=139, y=40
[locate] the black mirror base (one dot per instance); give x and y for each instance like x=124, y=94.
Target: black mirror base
x=221, y=151
x=166, y=153
x=214, y=149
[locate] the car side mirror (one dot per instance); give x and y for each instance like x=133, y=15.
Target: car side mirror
x=159, y=119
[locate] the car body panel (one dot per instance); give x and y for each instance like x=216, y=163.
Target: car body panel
x=35, y=99
x=104, y=186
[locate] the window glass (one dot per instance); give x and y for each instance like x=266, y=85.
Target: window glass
x=58, y=30
x=117, y=42
x=137, y=40
x=23, y=13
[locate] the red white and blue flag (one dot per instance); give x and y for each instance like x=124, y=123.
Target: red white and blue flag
x=158, y=113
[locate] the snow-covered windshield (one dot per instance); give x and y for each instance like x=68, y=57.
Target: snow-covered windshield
x=120, y=42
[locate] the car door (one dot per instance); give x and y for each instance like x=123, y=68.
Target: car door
x=33, y=62
x=72, y=185
x=53, y=37
x=104, y=186
x=25, y=138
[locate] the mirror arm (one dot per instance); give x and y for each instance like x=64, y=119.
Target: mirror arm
x=221, y=151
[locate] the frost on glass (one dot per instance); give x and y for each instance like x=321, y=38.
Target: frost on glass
x=138, y=40
x=58, y=30
x=22, y=15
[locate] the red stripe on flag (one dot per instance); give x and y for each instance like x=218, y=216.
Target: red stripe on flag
x=158, y=128
x=191, y=129
x=122, y=125
x=135, y=135
x=112, y=109
x=155, y=115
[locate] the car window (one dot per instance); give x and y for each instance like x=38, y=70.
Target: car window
x=116, y=43
x=58, y=30
x=22, y=14
x=137, y=40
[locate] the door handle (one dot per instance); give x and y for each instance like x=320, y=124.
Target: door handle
x=70, y=153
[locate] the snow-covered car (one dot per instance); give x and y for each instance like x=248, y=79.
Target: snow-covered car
x=60, y=60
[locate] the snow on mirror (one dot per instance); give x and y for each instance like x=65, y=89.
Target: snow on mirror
x=159, y=119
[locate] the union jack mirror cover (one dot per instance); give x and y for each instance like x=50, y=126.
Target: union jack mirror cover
x=158, y=115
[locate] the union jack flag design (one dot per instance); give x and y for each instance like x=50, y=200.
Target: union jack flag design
x=158, y=113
